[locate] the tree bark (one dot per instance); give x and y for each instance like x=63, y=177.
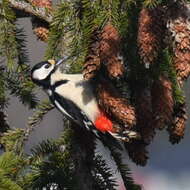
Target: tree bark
x=83, y=156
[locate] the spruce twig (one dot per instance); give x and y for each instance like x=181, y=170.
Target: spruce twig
x=124, y=170
x=42, y=109
x=103, y=175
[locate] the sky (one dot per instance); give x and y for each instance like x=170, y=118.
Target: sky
x=169, y=165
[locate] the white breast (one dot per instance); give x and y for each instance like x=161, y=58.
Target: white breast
x=80, y=92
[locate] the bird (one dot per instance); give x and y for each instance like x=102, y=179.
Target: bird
x=75, y=98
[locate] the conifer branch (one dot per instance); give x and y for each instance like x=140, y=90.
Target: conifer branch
x=103, y=175
x=42, y=109
x=82, y=147
x=8, y=47
x=12, y=140
x=9, y=168
x=20, y=85
x=8, y=184
x=23, y=58
x=50, y=166
x=59, y=35
x=3, y=99
x=41, y=13
x=124, y=170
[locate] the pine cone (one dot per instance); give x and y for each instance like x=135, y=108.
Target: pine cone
x=145, y=115
x=42, y=3
x=110, y=51
x=41, y=33
x=177, y=129
x=150, y=34
x=114, y=106
x=137, y=152
x=179, y=35
x=92, y=61
x=162, y=102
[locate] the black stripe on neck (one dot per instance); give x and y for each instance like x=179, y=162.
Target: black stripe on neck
x=58, y=83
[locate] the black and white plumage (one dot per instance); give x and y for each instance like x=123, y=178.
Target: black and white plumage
x=68, y=92
x=74, y=97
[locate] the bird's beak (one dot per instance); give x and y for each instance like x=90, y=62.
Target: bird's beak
x=61, y=60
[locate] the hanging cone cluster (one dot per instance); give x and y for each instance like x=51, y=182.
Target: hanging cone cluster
x=42, y=3
x=110, y=51
x=116, y=107
x=178, y=25
x=155, y=106
x=162, y=102
x=92, y=61
x=103, y=54
x=177, y=129
x=137, y=149
x=104, y=50
x=150, y=34
x=144, y=116
x=137, y=152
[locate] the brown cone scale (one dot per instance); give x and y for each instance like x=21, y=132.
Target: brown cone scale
x=110, y=51
x=179, y=35
x=177, y=129
x=41, y=33
x=92, y=61
x=150, y=34
x=162, y=102
x=116, y=107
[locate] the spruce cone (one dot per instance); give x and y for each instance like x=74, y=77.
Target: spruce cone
x=178, y=25
x=177, y=129
x=114, y=106
x=41, y=33
x=162, y=102
x=145, y=116
x=110, y=51
x=92, y=61
x=150, y=34
x=137, y=152
x=42, y=3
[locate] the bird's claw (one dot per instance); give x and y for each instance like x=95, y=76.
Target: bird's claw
x=126, y=135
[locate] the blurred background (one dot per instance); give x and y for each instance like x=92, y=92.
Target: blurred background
x=168, y=167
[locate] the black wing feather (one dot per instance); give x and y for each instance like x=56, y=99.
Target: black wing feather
x=73, y=111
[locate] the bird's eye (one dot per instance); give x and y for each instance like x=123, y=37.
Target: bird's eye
x=47, y=66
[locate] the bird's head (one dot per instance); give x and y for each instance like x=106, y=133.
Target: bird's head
x=42, y=71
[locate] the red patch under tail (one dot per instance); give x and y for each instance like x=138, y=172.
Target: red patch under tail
x=104, y=124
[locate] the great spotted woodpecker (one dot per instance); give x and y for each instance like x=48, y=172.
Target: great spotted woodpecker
x=75, y=98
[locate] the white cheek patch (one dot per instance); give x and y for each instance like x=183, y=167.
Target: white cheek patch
x=41, y=73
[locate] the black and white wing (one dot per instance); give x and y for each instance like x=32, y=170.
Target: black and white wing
x=71, y=111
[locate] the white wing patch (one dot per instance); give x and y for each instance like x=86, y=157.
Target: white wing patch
x=62, y=110
x=79, y=96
